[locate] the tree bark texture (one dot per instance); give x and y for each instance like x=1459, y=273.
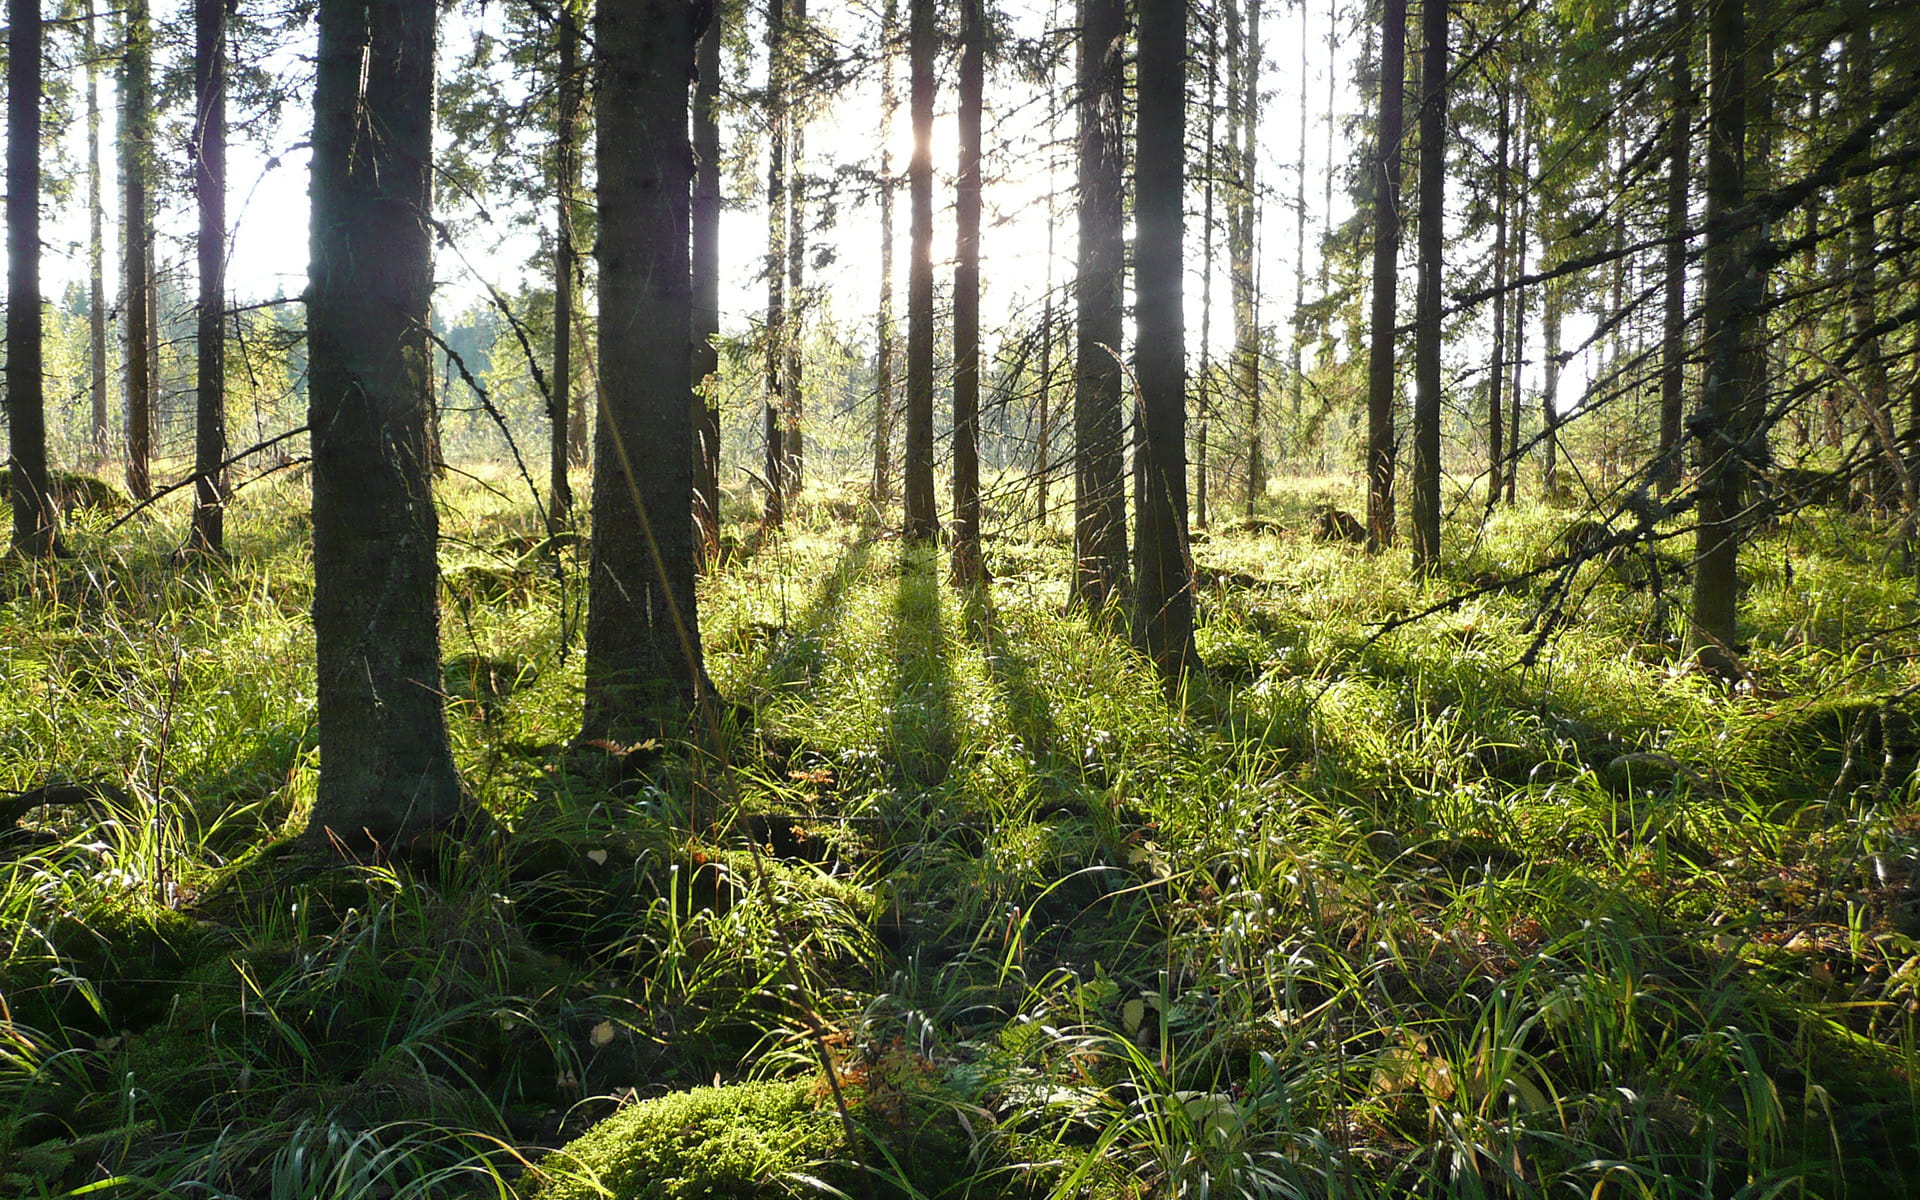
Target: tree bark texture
x=966, y=301
x=643, y=661
x=96, y=245
x=884, y=332
x=1723, y=304
x=566, y=185
x=1100, y=498
x=1386, y=253
x=1163, y=592
x=706, y=289
x=34, y=520
x=1429, y=304
x=210, y=189
x=136, y=150
x=922, y=520
x=1673, y=328
x=775, y=513
x=386, y=771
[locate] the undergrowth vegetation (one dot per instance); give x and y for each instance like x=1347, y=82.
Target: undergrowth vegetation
x=1507, y=900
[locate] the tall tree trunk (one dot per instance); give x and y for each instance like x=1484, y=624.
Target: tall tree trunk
x=1552, y=300
x=776, y=327
x=210, y=187
x=1163, y=592
x=1203, y=398
x=1386, y=254
x=966, y=301
x=643, y=660
x=1520, y=294
x=1497, y=375
x=34, y=522
x=1043, y=456
x=1863, y=238
x=566, y=184
x=1296, y=377
x=706, y=289
x=1100, y=513
x=794, y=333
x=1241, y=250
x=883, y=353
x=136, y=149
x=1673, y=329
x=1427, y=320
x=922, y=520
x=1722, y=304
x=386, y=770
x=96, y=275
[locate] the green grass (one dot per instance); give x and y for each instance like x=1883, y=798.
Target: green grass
x=1366, y=909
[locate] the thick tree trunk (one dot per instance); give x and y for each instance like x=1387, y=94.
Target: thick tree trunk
x=210, y=186
x=1723, y=304
x=1381, y=449
x=1100, y=514
x=1163, y=591
x=34, y=521
x=96, y=274
x=644, y=671
x=777, y=483
x=883, y=352
x=386, y=771
x=566, y=185
x=967, y=565
x=706, y=290
x=136, y=137
x=1673, y=329
x=1427, y=320
x=922, y=521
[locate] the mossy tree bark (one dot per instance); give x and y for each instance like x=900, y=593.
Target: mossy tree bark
x=643, y=661
x=386, y=771
x=34, y=520
x=1163, y=595
x=1100, y=497
x=210, y=187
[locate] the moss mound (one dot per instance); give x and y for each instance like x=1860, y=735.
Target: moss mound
x=744, y=1142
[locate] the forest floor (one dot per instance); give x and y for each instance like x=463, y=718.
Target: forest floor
x=957, y=901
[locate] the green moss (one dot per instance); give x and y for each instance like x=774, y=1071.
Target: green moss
x=746, y=1141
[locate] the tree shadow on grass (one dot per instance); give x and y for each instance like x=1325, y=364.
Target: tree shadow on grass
x=920, y=722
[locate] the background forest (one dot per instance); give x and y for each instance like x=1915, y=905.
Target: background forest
x=946, y=598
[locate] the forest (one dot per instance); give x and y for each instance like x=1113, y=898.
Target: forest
x=961, y=599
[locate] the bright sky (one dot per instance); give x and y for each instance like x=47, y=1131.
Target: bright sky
x=268, y=182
